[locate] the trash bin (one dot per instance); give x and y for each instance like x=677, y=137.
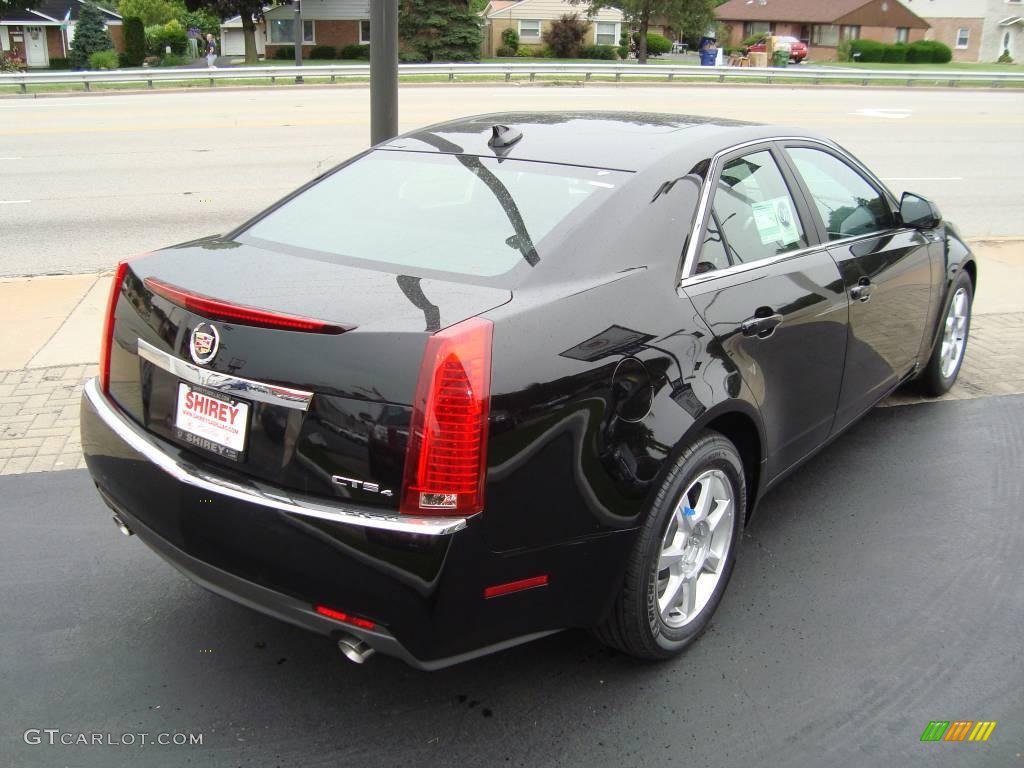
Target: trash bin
x=780, y=58
x=708, y=56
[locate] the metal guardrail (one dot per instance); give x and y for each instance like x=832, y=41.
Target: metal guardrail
x=619, y=72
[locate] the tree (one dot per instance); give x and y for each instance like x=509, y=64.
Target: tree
x=689, y=17
x=566, y=35
x=150, y=11
x=250, y=11
x=91, y=35
x=134, y=42
x=443, y=30
x=16, y=5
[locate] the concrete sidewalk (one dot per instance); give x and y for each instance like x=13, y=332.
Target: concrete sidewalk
x=50, y=331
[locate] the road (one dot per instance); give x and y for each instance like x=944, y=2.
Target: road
x=878, y=590
x=87, y=180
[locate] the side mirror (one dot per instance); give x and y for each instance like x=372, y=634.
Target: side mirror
x=919, y=213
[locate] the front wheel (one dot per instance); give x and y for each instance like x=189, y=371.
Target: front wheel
x=947, y=357
x=684, y=554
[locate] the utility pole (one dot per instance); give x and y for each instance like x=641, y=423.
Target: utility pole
x=297, y=24
x=383, y=70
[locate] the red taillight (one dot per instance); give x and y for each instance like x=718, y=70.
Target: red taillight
x=108, y=326
x=215, y=309
x=446, y=462
x=355, y=621
x=516, y=586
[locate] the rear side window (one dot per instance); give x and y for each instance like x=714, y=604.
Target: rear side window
x=753, y=215
x=848, y=203
x=459, y=214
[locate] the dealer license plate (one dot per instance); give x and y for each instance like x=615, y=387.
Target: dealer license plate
x=211, y=422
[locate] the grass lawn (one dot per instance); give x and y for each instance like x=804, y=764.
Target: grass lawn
x=953, y=66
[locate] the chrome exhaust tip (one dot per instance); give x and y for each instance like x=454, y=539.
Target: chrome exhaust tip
x=355, y=650
x=122, y=526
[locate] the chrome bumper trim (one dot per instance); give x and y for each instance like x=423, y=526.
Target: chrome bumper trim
x=224, y=382
x=273, y=498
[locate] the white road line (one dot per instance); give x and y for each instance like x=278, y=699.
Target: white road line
x=13, y=202
x=924, y=178
x=12, y=158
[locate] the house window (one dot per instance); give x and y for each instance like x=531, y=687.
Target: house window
x=752, y=28
x=849, y=33
x=364, y=31
x=826, y=35
x=281, y=32
x=529, y=29
x=605, y=33
x=902, y=34
x=963, y=38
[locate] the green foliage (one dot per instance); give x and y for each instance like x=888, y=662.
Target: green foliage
x=504, y=51
x=527, y=53
x=354, y=51
x=929, y=51
x=441, y=30
x=1005, y=57
x=202, y=19
x=844, y=51
x=11, y=62
x=411, y=57
x=868, y=51
x=56, y=64
x=510, y=39
x=323, y=52
x=91, y=35
x=606, y=52
x=103, y=60
x=134, y=42
x=623, y=51
x=895, y=53
x=151, y=12
x=159, y=37
x=287, y=53
x=657, y=44
x=754, y=39
x=173, y=60
x=14, y=5
x=566, y=34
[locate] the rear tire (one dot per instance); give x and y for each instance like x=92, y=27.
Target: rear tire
x=684, y=554
x=948, y=356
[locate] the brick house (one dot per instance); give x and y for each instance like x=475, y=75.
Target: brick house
x=47, y=31
x=324, y=22
x=822, y=25
x=976, y=30
x=531, y=18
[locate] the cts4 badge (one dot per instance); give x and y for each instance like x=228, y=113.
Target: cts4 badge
x=204, y=343
x=349, y=482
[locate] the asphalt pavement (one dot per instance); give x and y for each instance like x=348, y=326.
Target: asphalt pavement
x=88, y=180
x=878, y=590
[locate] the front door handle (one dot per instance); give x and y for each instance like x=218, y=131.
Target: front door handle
x=862, y=290
x=762, y=324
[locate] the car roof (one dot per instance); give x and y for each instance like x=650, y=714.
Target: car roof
x=630, y=141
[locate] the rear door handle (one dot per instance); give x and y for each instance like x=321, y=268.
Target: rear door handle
x=762, y=324
x=862, y=290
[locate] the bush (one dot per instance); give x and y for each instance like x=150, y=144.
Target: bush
x=526, y=53
x=607, y=52
x=510, y=39
x=565, y=36
x=1005, y=57
x=754, y=39
x=58, y=64
x=505, y=51
x=411, y=57
x=90, y=36
x=929, y=51
x=843, y=52
x=171, y=34
x=657, y=44
x=286, y=53
x=623, y=51
x=134, y=42
x=866, y=50
x=895, y=53
x=355, y=51
x=103, y=60
x=205, y=21
x=323, y=52
x=173, y=60
x=11, y=62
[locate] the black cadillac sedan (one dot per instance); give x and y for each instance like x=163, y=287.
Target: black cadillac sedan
x=513, y=374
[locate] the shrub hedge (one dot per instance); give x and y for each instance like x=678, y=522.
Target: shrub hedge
x=355, y=51
x=920, y=52
x=606, y=52
x=285, y=52
x=323, y=52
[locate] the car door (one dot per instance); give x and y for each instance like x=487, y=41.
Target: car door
x=773, y=298
x=886, y=269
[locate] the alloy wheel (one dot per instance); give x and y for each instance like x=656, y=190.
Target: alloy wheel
x=954, y=336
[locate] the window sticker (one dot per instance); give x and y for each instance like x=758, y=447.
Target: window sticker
x=776, y=221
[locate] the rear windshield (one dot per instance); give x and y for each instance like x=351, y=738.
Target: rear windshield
x=455, y=214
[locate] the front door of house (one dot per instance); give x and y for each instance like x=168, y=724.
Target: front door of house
x=35, y=47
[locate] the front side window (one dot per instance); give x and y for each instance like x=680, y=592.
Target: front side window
x=529, y=29
x=604, y=33
x=963, y=37
x=281, y=31
x=420, y=211
x=753, y=216
x=826, y=35
x=848, y=203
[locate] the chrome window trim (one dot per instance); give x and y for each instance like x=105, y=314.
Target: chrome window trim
x=704, y=204
x=248, y=389
x=272, y=498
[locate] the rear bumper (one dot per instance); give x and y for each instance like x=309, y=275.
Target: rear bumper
x=420, y=581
